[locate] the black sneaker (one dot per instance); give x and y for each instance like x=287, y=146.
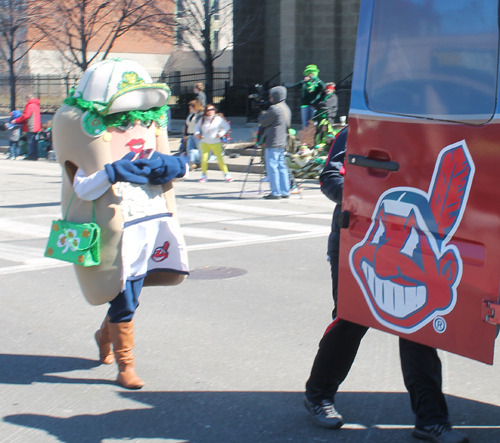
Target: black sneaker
x=440, y=433
x=272, y=197
x=324, y=415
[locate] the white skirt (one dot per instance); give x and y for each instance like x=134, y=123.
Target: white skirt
x=152, y=244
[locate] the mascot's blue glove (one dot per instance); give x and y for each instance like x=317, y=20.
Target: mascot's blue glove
x=125, y=170
x=165, y=168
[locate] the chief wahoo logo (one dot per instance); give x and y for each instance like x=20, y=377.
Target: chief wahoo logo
x=404, y=266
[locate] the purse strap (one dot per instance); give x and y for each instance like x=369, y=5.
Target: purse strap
x=71, y=201
x=96, y=237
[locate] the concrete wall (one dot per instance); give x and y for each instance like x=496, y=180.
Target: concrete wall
x=297, y=33
x=249, y=37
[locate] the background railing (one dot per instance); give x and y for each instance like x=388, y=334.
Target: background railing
x=232, y=100
x=53, y=89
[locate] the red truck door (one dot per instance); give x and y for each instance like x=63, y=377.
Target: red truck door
x=420, y=249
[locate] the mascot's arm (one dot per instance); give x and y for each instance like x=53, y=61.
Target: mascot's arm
x=92, y=187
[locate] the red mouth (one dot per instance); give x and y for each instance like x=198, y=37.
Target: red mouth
x=136, y=145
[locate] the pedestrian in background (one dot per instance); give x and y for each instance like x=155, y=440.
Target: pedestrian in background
x=327, y=105
x=191, y=142
x=201, y=98
x=14, y=135
x=275, y=122
x=210, y=129
x=31, y=125
x=311, y=88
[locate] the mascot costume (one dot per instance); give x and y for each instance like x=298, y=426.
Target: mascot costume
x=110, y=138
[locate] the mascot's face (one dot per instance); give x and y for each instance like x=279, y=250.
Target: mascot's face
x=405, y=266
x=405, y=276
x=138, y=137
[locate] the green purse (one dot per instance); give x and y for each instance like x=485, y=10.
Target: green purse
x=77, y=243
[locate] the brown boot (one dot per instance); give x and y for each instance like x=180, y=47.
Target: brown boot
x=122, y=335
x=103, y=340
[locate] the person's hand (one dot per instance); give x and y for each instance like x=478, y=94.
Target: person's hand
x=307, y=78
x=13, y=122
x=126, y=170
x=198, y=136
x=165, y=168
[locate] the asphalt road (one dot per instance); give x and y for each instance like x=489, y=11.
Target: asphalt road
x=224, y=359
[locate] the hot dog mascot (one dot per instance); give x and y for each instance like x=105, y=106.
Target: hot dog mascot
x=110, y=138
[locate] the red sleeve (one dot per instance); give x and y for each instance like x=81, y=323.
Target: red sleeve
x=26, y=115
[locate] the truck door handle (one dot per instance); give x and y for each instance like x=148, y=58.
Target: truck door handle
x=366, y=162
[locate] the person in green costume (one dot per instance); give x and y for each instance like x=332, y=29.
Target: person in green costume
x=312, y=89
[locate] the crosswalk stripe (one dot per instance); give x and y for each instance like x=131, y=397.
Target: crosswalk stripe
x=46, y=215
x=231, y=207
x=284, y=226
x=187, y=217
x=29, y=230
x=226, y=216
x=19, y=253
x=216, y=234
x=274, y=239
x=318, y=216
x=47, y=263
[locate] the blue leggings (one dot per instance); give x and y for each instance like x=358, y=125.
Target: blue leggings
x=123, y=306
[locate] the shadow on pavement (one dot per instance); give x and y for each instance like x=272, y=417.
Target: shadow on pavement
x=18, y=369
x=230, y=195
x=31, y=205
x=256, y=417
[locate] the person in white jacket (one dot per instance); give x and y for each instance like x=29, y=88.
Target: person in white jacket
x=209, y=129
x=192, y=143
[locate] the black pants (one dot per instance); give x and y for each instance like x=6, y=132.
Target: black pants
x=420, y=365
x=32, y=146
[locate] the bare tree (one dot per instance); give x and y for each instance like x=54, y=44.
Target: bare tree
x=15, y=42
x=84, y=31
x=205, y=28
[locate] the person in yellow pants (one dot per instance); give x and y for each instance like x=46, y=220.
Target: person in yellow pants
x=209, y=129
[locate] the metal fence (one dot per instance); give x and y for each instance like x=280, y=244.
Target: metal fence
x=182, y=82
x=53, y=89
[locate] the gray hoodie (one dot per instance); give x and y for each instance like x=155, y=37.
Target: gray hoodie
x=275, y=119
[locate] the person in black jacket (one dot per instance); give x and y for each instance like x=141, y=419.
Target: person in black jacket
x=420, y=364
x=327, y=105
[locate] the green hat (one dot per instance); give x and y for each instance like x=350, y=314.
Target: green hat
x=311, y=70
x=115, y=90
x=118, y=85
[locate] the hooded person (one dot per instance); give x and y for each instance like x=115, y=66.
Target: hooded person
x=275, y=122
x=111, y=141
x=14, y=134
x=311, y=90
